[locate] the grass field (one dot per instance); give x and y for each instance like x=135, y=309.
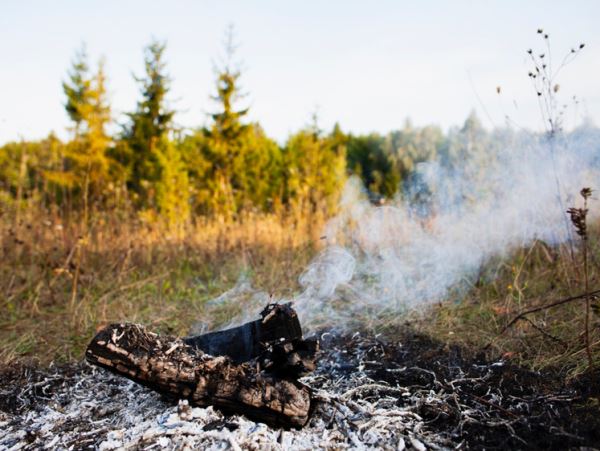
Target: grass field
x=532, y=277
x=60, y=282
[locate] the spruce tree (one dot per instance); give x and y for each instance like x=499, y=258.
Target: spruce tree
x=156, y=171
x=315, y=167
x=87, y=163
x=225, y=134
x=172, y=186
x=148, y=125
x=243, y=161
x=77, y=88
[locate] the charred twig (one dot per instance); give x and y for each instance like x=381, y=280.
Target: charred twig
x=491, y=404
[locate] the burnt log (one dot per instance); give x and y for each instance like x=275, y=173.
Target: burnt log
x=264, y=387
x=274, y=341
x=246, y=342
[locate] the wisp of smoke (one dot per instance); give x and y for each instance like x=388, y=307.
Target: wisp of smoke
x=435, y=236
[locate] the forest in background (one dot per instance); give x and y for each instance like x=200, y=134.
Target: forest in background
x=156, y=172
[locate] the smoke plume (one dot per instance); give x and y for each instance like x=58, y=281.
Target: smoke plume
x=437, y=234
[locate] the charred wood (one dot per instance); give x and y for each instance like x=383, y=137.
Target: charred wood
x=259, y=381
x=274, y=341
x=246, y=342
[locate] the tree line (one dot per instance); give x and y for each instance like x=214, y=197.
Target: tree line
x=224, y=169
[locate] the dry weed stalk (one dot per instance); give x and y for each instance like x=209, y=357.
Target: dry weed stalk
x=579, y=220
x=544, y=79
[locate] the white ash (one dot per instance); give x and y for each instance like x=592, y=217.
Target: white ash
x=107, y=412
x=93, y=409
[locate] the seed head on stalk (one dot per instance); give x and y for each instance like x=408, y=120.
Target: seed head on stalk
x=578, y=218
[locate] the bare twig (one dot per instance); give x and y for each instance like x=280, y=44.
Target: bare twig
x=547, y=334
x=521, y=315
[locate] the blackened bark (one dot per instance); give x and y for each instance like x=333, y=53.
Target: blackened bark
x=263, y=387
x=247, y=341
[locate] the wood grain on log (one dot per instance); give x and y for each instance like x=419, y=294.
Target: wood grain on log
x=173, y=367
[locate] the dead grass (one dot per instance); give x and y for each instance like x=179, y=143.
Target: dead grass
x=531, y=277
x=60, y=282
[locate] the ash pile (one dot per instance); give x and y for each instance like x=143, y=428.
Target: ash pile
x=368, y=392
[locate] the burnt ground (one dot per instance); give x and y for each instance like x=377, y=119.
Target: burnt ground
x=489, y=405
x=437, y=396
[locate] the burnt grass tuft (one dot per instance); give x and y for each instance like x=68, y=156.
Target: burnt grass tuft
x=27, y=386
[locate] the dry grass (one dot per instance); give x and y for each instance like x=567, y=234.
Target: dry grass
x=60, y=282
x=532, y=277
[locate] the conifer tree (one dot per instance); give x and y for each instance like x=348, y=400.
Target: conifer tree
x=368, y=159
x=77, y=88
x=242, y=159
x=225, y=135
x=469, y=143
x=315, y=167
x=87, y=163
x=25, y=169
x=227, y=125
x=148, y=125
x=172, y=185
x=156, y=171
x=387, y=163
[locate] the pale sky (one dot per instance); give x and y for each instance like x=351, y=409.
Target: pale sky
x=365, y=64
